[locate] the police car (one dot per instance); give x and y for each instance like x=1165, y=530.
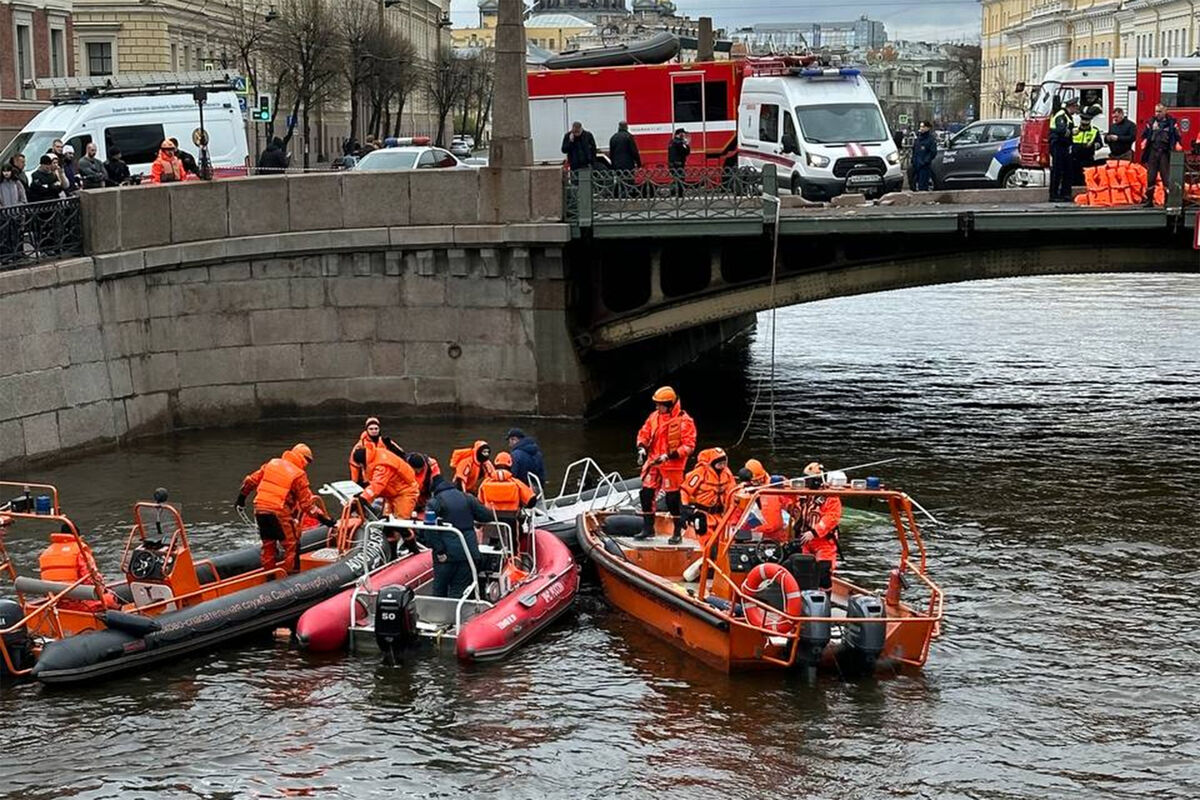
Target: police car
x=982, y=155
x=409, y=153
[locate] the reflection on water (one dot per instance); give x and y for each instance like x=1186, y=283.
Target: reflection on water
x=1052, y=422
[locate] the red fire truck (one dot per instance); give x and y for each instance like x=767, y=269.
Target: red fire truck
x=1133, y=84
x=654, y=99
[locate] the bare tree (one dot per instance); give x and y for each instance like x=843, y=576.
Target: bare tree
x=304, y=51
x=964, y=70
x=446, y=84
x=477, y=97
x=390, y=81
x=248, y=31
x=358, y=29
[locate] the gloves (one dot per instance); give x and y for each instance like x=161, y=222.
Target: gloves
x=641, y=455
x=240, y=502
x=328, y=522
x=661, y=459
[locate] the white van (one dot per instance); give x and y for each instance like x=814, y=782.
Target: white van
x=136, y=125
x=822, y=128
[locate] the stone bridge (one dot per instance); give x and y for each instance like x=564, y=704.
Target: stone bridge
x=464, y=292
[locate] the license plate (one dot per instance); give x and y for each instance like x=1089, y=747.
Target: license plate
x=860, y=180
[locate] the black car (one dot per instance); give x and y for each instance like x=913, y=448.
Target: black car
x=982, y=155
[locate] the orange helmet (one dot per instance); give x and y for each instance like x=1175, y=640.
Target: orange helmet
x=665, y=395
x=304, y=451
x=758, y=473
x=502, y=460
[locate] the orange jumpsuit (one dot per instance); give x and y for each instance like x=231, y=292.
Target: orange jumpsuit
x=504, y=494
x=673, y=435
x=707, y=489
x=394, y=480
x=821, y=514
x=166, y=170
x=367, y=444
x=283, y=495
x=470, y=472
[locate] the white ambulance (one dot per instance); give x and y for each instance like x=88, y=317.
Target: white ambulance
x=823, y=129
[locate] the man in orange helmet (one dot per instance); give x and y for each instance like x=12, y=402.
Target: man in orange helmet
x=167, y=168
x=664, y=443
x=282, y=496
x=393, y=480
x=505, y=495
x=708, y=490
x=818, y=517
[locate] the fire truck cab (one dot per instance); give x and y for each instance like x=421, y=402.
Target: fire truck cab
x=821, y=126
x=1135, y=85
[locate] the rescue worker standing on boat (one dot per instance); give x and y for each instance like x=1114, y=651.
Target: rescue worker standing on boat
x=451, y=569
x=708, y=489
x=282, y=496
x=371, y=437
x=505, y=495
x=392, y=480
x=471, y=468
x=425, y=469
x=664, y=443
x=817, y=518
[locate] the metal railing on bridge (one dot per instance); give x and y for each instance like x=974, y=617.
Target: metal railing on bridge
x=663, y=194
x=36, y=232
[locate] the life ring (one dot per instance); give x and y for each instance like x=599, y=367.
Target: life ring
x=762, y=579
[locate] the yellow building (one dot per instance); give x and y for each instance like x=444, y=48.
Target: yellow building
x=552, y=31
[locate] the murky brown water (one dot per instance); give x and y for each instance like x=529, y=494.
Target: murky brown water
x=1055, y=423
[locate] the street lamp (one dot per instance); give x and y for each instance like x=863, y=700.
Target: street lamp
x=271, y=15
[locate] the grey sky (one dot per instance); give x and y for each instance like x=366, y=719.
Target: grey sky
x=907, y=19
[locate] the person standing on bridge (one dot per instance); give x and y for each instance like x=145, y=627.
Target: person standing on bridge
x=924, y=150
x=677, y=155
x=625, y=157
x=579, y=146
x=1062, y=130
x=1159, y=138
x=664, y=443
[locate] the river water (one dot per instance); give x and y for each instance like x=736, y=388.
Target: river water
x=1050, y=424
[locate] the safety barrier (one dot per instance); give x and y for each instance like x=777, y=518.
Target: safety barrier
x=37, y=232
x=661, y=193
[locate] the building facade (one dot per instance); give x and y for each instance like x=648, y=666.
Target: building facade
x=35, y=42
x=552, y=31
x=1022, y=39
x=790, y=37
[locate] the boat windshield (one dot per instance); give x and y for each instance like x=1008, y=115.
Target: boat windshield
x=33, y=144
x=839, y=124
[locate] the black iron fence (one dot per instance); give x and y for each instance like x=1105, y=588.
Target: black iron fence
x=40, y=232
x=661, y=193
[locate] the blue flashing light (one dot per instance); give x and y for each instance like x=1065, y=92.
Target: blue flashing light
x=812, y=72
x=849, y=72
x=1090, y=62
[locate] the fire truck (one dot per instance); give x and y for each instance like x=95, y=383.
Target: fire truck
x=655, y=99
x=1136, y=85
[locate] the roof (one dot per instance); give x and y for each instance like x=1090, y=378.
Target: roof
x=557, y=21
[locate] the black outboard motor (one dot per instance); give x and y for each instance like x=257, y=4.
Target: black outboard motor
x=862, y=642
x=395, y=620
x=17, y=642
x=814, y=636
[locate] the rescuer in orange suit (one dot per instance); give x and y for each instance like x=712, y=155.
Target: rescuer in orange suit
x=368, y=440
x=664, y=443
x=282, y=496
x=505, y=495
x=471, y=468
x=818, y=517
x=425, y=469
x=167, y=168
x=708, y=490
x=393, y=480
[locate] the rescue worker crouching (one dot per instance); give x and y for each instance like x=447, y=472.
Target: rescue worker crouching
x=472, y=467
x=817, y=519
x=707, y=491
x=282, y=494
x=505, y=495
x=392, y=480
x=451, y=569
x=425, y=469
x=664, y=443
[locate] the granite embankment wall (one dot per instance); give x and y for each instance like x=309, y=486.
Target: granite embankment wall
x=289, y=296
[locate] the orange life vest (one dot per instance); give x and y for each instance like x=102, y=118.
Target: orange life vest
x=62, y=560
x=503, y=493
x=282, y=486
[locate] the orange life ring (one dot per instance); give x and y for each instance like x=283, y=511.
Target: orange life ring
x=762, y=578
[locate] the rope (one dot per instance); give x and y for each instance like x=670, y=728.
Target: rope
x=771, y=373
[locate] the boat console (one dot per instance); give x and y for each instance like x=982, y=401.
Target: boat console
x=157, y=560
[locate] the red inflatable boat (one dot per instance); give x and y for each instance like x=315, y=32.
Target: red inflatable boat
x=522, y=584
x=326, y=626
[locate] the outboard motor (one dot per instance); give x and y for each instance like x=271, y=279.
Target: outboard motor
x=395, y=620
x=17, y=642
x=862, y=642
x=814, y=636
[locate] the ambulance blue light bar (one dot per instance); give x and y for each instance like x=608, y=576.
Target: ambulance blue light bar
x=816, y=72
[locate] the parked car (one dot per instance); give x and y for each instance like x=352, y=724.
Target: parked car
x=460, y=148
x=409, y=156
x=981, y=155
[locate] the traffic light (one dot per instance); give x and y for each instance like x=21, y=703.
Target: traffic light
x=263, y=111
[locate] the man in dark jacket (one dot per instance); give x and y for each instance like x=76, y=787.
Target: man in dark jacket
x=924, y=149
x=677, y=155
x=46, y=182
x=91, y=171
x=1062, y=133
x=189, y=161
x=116, y=169
x=1121, y=136
x=579, y=146
x=526, y=455
x=1159, y=138
x=273, y=160
x=451, y=568
x=623, y=149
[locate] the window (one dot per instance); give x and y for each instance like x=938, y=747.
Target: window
x=972, y=134
x=789, y=131
x=716, y=101
x=1002, y=132
x=24, y=61
x=688, y=99
x=79, y=144
x=941, y=76
x=138, y=143
x=768, y=123
x=100, y=62
x=427, y=160
x=57, y=51
x=174, y=57
x=1187, y=90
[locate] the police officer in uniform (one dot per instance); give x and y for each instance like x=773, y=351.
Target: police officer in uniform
x=1062, y=131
